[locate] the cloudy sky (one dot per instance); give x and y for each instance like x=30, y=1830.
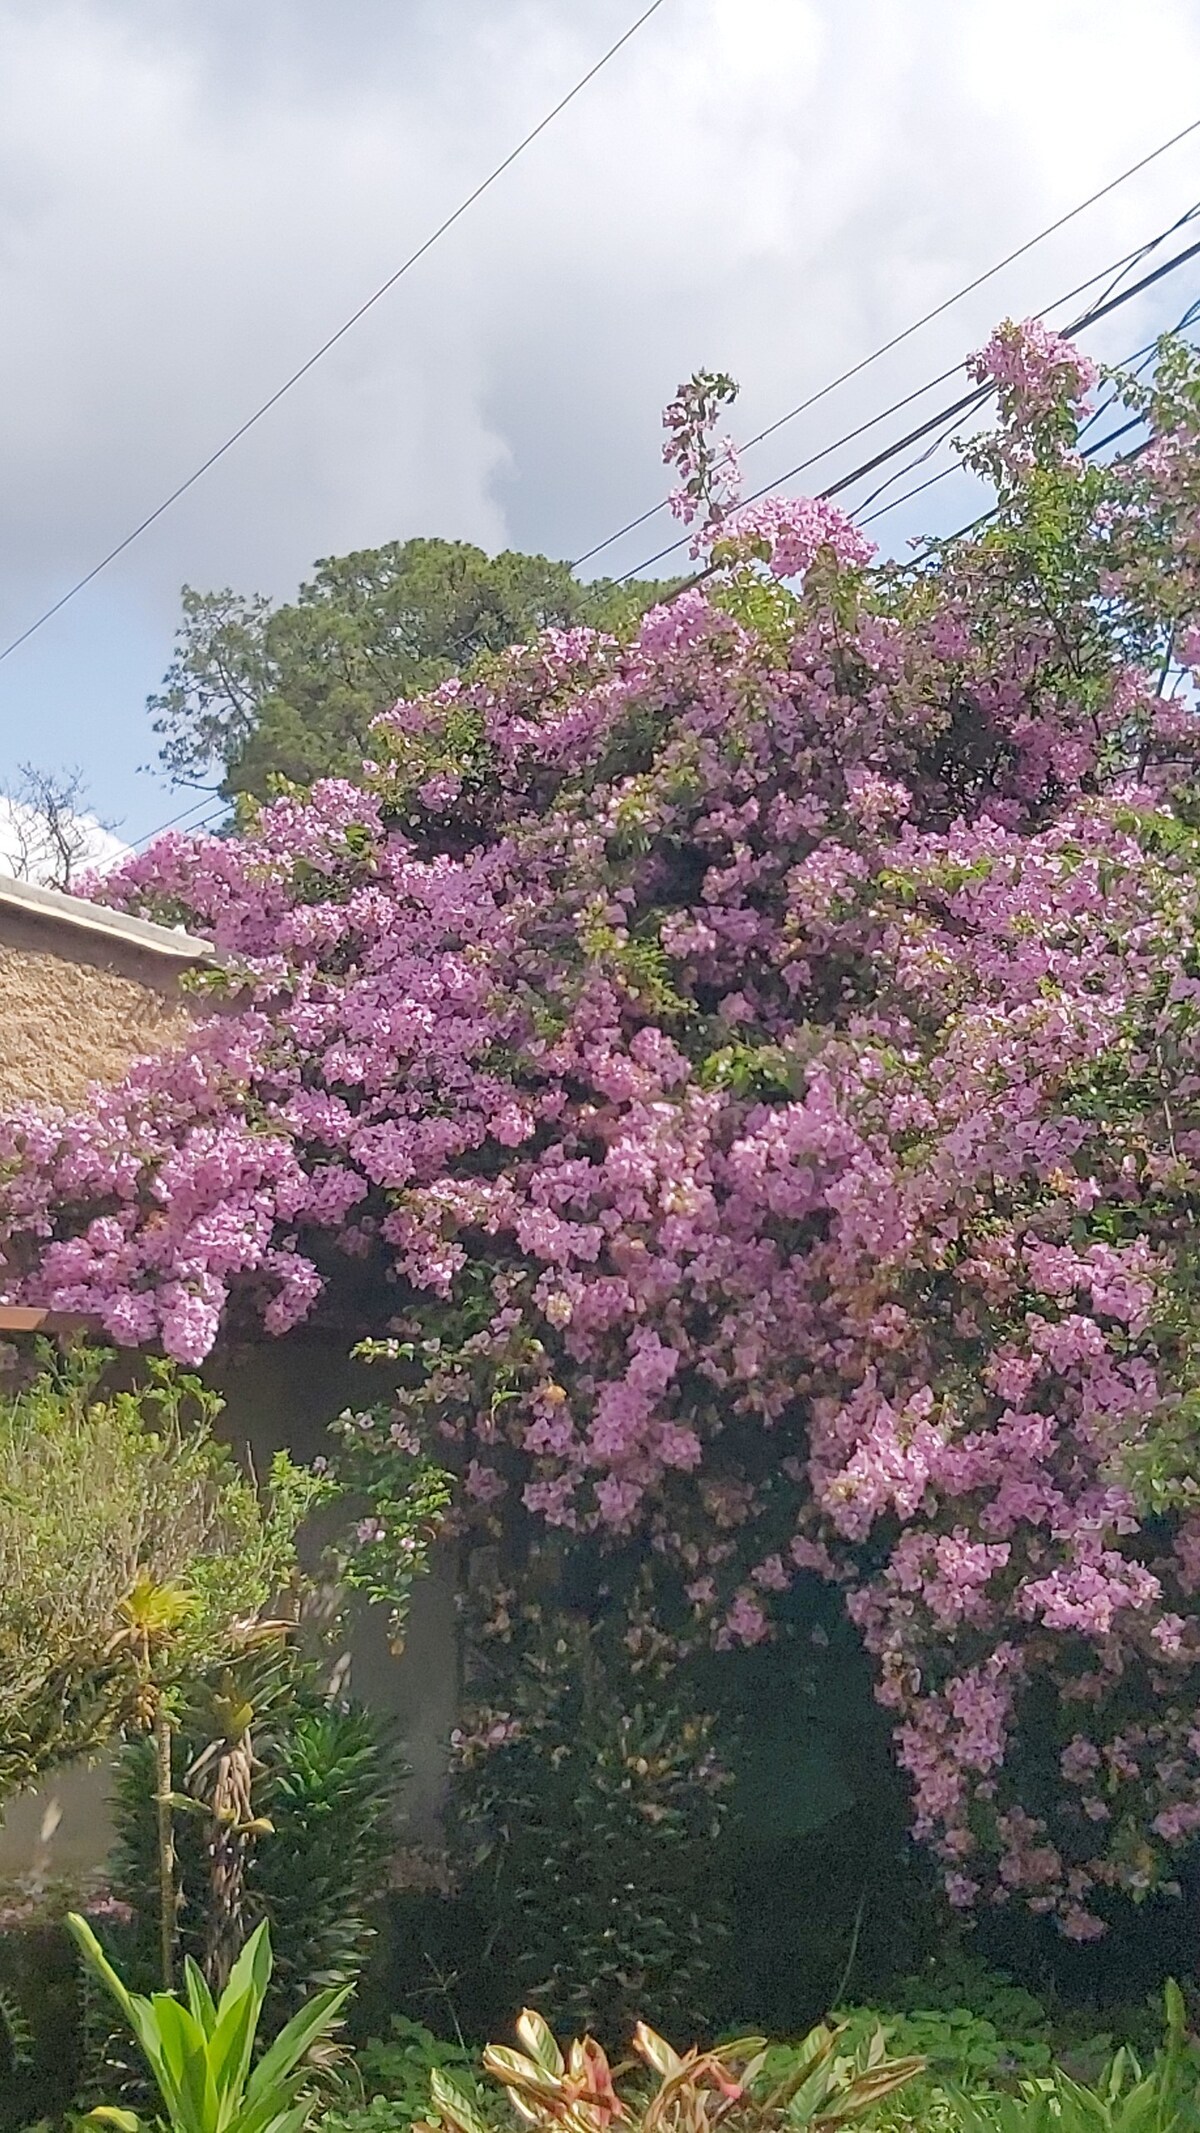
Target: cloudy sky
x=193, y=193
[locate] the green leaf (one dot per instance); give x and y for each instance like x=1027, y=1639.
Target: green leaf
x=137, y=2012
x=295, y=2039
x=274, y=2103
x=190, y=2092
x=232, y=2044
x=200, y=1999
x=538, y=2038
x=290, y=2121
x=93, y=1954
x=453, y=2106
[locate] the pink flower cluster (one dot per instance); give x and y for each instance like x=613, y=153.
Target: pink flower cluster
x=1034, y=369
x=789, y=532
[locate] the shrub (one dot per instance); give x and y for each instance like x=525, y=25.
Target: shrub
x=1162, y=2096
x=396, y=2072
x=201, y=2054
x=582, y=1816
x=761, y=1059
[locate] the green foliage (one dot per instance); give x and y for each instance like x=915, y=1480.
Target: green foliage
x=263, y=694
x=1163, y=2097
x=382, y=2114
x=326, y=1785
x=396, y=2073
x=132, y=1545
x=967, y=2022
x=39, y=2041
x=582, y=1817
x=201, y=2055
x=956, y=2044
x=330, y=1796
x=407, y=1496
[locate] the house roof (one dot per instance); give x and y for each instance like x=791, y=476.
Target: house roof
x=76, y=914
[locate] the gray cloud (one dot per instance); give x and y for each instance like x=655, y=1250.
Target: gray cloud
x=193, y=192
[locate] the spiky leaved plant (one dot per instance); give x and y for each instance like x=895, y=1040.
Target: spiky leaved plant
x=323, y=1785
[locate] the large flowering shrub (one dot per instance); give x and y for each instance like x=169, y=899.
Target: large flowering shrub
x=765, y=1056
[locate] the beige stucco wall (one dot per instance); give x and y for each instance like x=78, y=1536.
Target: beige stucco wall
x=66, y=1022
x=284, y=1394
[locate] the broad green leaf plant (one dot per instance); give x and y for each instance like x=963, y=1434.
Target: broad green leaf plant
x=201, y=2054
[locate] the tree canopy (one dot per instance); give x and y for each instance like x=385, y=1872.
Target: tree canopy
x=762, y=1053
x=257, y=694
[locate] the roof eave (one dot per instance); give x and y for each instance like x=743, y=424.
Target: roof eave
x=76, y=913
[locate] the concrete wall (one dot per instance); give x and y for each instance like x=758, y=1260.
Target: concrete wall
x=283, y=1394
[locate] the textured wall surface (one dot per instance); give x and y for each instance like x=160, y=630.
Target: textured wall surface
x=65, y=1023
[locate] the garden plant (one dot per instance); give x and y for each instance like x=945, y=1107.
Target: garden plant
x=135, y=1557
x=201, y=2054
x=759, y=1056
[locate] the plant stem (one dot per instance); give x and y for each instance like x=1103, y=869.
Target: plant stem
x=166, y=1845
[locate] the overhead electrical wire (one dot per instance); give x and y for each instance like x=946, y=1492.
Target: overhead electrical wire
x=906, y=333
x=1119, y=266
x=968, y=401
x=922, y=458
x=204, y=801
x=963, y=405
x=1092, y=451
x=918, y=393
x=332, y=339
x=1130, y=363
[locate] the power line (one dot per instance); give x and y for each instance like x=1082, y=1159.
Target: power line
x=1091, y=452
x=969, y=400
x=331, y=342
x=1147, y=352
x=171, y=820
x=1118, y=266
x=148, y=836
x=1186, y=319
x=956, y=408
x=907, y=332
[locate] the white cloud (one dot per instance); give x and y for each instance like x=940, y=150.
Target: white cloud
x=192, y=195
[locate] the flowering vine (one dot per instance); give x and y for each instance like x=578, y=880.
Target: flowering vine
x=763, y=1057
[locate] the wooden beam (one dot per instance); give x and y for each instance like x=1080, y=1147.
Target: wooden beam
x=24, y=1318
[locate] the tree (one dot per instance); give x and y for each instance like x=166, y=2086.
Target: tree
x=48, y=833
x=764, y=1058
x=257, y=693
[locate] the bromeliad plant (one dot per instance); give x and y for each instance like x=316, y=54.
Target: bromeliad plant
x=201, y=2054
x=697, y=2090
